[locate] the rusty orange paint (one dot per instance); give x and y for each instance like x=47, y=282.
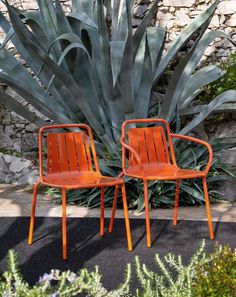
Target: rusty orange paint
x=72, y=164
x=148, y=154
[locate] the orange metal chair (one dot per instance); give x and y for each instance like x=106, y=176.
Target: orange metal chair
x=151, y=156
x=72, y=164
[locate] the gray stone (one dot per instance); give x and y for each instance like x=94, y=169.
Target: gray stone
x=20, y=126
x=17, y=118
x=5, y=177
x=18, y=164
x=228, y=30
x=228, y=189
x=163, y=18
x=3, y=165
x=17, y=147
x=222, y=53
x=227, y=7
x=30, y=128
x=9, y=131
x=210, y=50
x=228, y=156
x=29, y=142
x=7, y=158
x=29, y=178
x=215, y=22
x=6, y=142
x=179, y=3
x=231, y=22
x=182, y=17
x=222, y=19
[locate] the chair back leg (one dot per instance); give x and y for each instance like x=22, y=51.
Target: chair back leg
x=208, y=208
x=113, y=209
x=148, y=232
x=176, y=202
x=64, y=233
x=32, y=218
x=102, y=212
x=127, y=224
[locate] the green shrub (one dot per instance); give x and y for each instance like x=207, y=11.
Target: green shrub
x=226, y=82
x=56, y=283
x=216, y=277
x=212, y=275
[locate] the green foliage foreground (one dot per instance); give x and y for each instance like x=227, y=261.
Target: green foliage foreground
x=207, y=275
x=226, y=82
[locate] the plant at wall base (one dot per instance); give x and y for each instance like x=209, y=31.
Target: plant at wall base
x=226, y=82
x=210, y=275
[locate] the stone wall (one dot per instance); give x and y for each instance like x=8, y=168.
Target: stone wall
x=18, y=138
x=173, y=14
x=176, y=14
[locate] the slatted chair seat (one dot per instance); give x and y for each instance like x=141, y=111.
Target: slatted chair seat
x=71, y=163
x=77, y=180
x=148, y=154
x=162, y=172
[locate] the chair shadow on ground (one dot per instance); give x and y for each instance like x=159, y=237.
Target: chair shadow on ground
x=86, y=248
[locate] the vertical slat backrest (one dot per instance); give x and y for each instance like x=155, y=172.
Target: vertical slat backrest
x=150, y=144
x=68, y=152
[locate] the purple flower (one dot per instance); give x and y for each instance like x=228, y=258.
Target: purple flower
x=45, y=277
x=72, y=278
x=55, y=294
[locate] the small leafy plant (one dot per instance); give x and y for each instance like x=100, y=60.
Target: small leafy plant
x=226, y=82
x=56, y=283
x=212, y=275
x=217, y=276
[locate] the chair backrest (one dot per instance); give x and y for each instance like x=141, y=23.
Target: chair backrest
x=152, y=144
x=68, y=151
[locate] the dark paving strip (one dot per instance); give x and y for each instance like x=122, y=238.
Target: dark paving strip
x=87, y=249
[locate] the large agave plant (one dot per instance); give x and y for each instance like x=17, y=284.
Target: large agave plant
x=84, y=69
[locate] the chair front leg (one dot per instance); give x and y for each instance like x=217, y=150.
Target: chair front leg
x=102, y=212
x=64, y=234
x=32, y=218
x=208, y=208
x=176, y=202
x=127, y=224
x=113, y=209
x=145, y=184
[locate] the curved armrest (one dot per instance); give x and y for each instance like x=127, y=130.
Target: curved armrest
x=206, y=144
x=129, y=148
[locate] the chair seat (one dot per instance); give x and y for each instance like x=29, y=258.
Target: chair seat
x=163, y=172
x=78, y=180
